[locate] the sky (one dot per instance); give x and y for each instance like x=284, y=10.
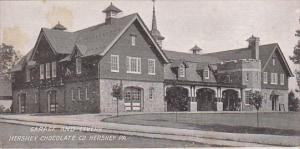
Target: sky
x=213, y=25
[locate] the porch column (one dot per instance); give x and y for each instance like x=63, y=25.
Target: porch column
x=193, y=103
x=219, y=102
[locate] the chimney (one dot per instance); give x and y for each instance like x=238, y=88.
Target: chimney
x=254, y=46
x=111, y=13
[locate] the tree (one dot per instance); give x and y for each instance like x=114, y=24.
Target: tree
x=117, y=93
x=296, y=57
x=256, y=100
x=293, y=102
x=8, y=58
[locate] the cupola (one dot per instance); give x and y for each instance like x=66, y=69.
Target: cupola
x=196, y=49
x=58, y=26
x=111, y=12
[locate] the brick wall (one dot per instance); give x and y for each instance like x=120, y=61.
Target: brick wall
x=108, y=104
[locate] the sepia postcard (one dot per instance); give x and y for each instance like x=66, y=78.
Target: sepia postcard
x=149, y=73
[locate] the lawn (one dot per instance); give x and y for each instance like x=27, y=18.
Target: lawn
x=269, y=123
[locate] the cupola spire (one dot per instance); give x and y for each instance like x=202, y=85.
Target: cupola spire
x=154, y=31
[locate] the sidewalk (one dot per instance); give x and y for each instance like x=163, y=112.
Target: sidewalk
x=208, y=137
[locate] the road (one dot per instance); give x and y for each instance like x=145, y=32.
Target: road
x=15, y=136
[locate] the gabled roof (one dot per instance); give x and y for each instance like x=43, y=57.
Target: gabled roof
x=95, y=40
x=265, y=52
x=21, y=63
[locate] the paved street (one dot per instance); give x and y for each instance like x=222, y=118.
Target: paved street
x=51, y=139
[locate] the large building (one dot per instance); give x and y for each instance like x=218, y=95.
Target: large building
x=76, y=72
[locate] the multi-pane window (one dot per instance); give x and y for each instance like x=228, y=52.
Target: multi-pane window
x=248, y=96
x=265, y=77
x=281, y=79
x=274, y=78
x=133, y=39
x=53, y=69
x=114, y=63
x=48, y=71
x=78, y=65
x=206, y=74
x=151, y=92
x=42, y=69
x=181, y=71
x=27, y=75
x=151, y=66
x=133, y=65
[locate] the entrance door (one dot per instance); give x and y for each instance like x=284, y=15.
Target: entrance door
x=22, y=102
x=132, y=99
x=274, y=102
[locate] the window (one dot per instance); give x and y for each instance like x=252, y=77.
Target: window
x=151, y=66
x=247, y=96
x=79, y=93
x=273, y=61
x=274, y=79
x=86, y=94
x=181, y=71
x=72, y=94
x=133, y=39
x=53, y=69
x=247, y=76
x=35, y=98
x=265, y=97
x=265, y=77
x=42, y=69
x=47, y=70
x=78, y=65
x=133, y=65
x=206, y=74
x=27, y=75
x=114, y=63
x=281, y=79
x=151, y=92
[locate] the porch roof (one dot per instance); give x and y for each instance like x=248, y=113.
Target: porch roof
x=209, y=84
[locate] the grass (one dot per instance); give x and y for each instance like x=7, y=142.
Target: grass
x=187, y=123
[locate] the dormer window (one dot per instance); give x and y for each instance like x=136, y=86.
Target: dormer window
x=78, y=65
x=181, y=71
x=206, y=74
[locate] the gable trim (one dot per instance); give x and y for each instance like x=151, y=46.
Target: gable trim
x=37, y=43
x=282, y=57
x=147, y=32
